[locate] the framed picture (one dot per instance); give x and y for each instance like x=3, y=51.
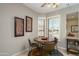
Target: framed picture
x=74, y=28
x=19, y=26
x=28, y=24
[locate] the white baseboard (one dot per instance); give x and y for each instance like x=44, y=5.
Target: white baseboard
x=4, y=54
x=18, y=53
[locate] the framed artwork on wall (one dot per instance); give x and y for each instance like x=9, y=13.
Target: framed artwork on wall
x=28, y=24
x=19, y=26
x=74, y=28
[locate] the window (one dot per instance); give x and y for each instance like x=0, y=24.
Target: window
x=41, y=26
x=49, y=27
x=54, y=26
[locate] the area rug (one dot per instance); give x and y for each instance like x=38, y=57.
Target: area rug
x=35, y=52
x=55, y=53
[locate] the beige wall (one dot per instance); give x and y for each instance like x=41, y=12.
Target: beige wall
x=71, y=22
x=8, y=43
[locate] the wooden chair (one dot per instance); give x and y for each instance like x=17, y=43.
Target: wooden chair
x=32, y=45
x=50, y=46
x=35, y=48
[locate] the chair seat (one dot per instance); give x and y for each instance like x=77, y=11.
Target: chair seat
x=34, y=44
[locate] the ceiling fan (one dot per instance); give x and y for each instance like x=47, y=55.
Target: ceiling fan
x=54, y=5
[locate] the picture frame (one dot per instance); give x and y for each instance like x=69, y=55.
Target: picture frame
x=74, y=28
x=28, y=24
x=19, y=26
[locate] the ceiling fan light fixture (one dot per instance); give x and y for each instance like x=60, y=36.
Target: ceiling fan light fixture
x=52, y=5
x=49, y=5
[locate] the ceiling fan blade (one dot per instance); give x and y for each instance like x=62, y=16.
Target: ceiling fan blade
x=43, y=4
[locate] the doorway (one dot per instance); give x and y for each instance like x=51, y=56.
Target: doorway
x=72, y=24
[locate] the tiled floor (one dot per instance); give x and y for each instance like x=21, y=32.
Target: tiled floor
x=61, y=50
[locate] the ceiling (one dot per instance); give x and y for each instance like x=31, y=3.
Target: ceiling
x=37, y=7
x=73, y=16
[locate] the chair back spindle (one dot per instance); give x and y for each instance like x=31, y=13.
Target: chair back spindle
x=29, y=42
